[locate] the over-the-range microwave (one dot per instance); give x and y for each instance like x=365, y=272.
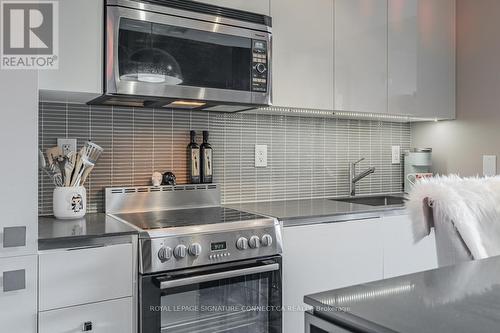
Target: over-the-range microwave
x=186, y=54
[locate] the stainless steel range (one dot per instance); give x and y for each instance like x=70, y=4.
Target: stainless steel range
x=203, y=267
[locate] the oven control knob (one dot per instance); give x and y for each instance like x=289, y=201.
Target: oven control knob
x=261, y=68
x=254, y=242
x=242, y=243
x=195, y=249
x=267, y=240
x=165, y=253
x=180, y=251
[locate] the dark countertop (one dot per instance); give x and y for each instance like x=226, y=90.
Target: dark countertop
x=300, y=212
x=456, y=299
x=96, y=225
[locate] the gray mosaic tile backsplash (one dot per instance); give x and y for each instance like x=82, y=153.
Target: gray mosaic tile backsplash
x=307, y=157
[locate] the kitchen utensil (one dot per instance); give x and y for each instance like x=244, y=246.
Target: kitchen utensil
x=78, y=166
x=52, y=154
x=61, y=163
x=89, y=154
x=51, y=170
x=86, y=173
x=87, y=164
x=93, y=151
x=53, y=173
x=69, y=167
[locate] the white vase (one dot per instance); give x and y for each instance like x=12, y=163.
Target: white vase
x=69, y=202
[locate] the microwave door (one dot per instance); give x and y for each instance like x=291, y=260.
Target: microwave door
x=151, y=54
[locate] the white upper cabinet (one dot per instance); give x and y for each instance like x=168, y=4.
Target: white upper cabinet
x=303, y=51
x=361, y=55
x=253, y=6
x=81, y=34
x=421, y=58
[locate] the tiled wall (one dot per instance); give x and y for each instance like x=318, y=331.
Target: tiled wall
x=307, y=157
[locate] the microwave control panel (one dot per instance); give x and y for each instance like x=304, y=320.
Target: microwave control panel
x=259, y=66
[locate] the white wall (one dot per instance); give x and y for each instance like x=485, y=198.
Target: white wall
x=459, y=145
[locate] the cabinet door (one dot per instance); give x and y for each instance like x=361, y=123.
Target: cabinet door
x=361, y=55
x=327, y=256
x=303, y=53
x=81, y=35
x=18, y=173
x=253, y=6
x=401, y=255
x=421, y=58
x=18, y=295
x=106, y=317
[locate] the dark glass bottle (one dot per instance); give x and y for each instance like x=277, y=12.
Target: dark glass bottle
x=206, y=153
x=193, y=160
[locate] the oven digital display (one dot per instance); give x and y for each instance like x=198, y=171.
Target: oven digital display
x=218, y=246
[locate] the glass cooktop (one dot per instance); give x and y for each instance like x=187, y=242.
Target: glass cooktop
x=186, y=217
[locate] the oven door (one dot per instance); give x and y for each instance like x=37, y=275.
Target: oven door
x=243, y=297
x=152, y=54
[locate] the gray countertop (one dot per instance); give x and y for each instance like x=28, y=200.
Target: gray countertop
x=463, y=298
x=52, y=230
x=299, y=212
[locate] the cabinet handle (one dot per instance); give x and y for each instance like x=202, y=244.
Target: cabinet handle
x=13, y=280
x=14, y=237
x=87, y=326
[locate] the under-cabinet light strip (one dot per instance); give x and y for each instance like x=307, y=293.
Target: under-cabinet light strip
x=343, y=114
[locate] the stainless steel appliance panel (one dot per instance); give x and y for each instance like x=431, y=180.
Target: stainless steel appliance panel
x=213, y=25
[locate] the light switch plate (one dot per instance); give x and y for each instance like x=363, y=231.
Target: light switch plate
x=396, y=154
x=260, y=156
x=489, y=165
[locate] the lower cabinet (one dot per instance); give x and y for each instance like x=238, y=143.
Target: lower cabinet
x=401, y=254
x=322, y=257
x=113, y=316
x=327, y=256
x=90, y=289
x=18, y=294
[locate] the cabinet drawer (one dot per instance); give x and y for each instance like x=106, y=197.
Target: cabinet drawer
x=82, y=276
x=105, y=317
x=18, y=277
x=18, y=239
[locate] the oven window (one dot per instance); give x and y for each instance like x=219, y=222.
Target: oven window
x=244, y=304
x=163, y=54
x=238, y=306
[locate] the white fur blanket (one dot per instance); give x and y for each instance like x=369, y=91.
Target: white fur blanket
x=472, y=204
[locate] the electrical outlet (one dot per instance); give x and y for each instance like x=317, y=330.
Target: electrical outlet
x=396, y=154
x=67, y=145
x=489, y=165
x=260, y=156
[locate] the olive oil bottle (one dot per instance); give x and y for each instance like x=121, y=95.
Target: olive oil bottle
x=206, y=153
x=193, y=151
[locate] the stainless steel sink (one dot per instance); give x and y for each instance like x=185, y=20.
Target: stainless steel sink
x=384, y=200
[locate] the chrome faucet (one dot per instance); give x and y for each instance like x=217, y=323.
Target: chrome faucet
x=353, y=178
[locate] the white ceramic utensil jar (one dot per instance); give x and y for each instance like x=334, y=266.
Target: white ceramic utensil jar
x=69, y=202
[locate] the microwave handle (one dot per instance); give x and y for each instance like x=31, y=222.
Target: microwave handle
x=218, y=276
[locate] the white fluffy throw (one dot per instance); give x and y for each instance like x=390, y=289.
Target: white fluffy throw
x=471, y=204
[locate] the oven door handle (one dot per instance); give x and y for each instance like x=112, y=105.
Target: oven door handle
x=218, y=276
